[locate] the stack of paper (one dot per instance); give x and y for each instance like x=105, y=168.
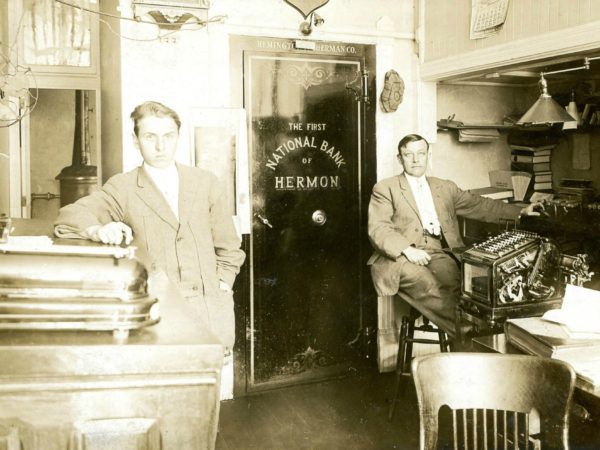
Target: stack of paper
x=478, y=134
x=493, y=192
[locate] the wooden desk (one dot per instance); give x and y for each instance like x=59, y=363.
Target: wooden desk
x=497, y=343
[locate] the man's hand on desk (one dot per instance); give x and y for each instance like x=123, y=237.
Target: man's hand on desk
x=110, y=233
x=417, y=256
x=534, y=209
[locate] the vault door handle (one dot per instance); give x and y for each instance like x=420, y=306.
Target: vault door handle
x=319, y=217
x=264, y=220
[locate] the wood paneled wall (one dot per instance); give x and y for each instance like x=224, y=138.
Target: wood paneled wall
x=446, y=23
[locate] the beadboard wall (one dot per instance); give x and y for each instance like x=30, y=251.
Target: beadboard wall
x=533, y=30
x=526, y=18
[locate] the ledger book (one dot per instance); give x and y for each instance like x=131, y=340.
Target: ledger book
x=541, y=337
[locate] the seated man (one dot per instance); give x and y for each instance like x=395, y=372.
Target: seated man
x=413, y=226
x=175, y=216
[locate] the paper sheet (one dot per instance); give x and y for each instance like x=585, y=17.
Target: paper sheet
x=580, y=312
x=487, y=17
x=580, y=146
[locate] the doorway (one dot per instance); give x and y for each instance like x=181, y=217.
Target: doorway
x=310, y=131
x=46, y=144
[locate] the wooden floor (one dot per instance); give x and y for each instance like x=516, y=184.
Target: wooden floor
x=348, y=413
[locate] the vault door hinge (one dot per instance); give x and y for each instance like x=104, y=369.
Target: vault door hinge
x=359, y=86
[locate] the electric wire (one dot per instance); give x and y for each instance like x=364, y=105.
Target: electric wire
x=32, y=92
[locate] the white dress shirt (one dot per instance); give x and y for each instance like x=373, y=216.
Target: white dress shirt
x=167, y=182
x=422, y=193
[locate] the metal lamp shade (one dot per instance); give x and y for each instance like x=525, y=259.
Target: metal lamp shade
x=545, y=111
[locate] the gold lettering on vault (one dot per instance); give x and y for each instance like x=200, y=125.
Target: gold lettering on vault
x=300, y=142
x=302, y=183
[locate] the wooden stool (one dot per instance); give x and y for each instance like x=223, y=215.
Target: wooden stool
x=406, y=340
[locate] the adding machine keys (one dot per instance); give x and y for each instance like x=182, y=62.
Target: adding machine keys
x=514, y=274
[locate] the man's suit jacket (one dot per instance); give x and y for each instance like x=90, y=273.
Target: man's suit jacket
x=394, y=222
x=195, y=252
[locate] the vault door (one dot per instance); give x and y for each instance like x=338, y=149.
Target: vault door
x=306, y=266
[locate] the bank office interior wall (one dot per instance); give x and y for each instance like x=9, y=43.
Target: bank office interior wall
x=190, y=69
x=468, y=163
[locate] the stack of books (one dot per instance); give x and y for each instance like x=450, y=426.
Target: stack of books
x=536, y=161
x=577, y=189
x=541, y=337
x=478, y=135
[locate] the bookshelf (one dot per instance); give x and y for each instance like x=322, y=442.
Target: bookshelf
x=481, y=133
x=446, y=124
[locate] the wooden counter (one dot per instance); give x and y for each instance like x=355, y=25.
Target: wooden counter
x=158, y=389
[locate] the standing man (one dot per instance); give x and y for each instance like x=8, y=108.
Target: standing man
x=174, y=214
x=413, y=225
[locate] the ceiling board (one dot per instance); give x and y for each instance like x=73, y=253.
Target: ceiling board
x=528, y=75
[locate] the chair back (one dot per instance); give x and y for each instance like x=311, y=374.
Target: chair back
x=494, y=399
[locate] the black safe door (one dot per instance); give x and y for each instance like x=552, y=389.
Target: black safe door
x=305, y=147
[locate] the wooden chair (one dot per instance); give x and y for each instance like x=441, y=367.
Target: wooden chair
x=492, y=398
x=406, y=339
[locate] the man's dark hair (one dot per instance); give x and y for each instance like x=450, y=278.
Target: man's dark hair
x=411, y=138
x=152, y=109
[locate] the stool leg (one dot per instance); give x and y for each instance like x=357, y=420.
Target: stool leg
x=399, y=365
x=458, y=325
x=444, y=344
x=408, y=351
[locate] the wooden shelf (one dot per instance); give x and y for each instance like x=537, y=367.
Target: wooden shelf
x=456, y=125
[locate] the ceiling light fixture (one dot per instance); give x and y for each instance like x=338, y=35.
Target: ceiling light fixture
x=546, y=111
